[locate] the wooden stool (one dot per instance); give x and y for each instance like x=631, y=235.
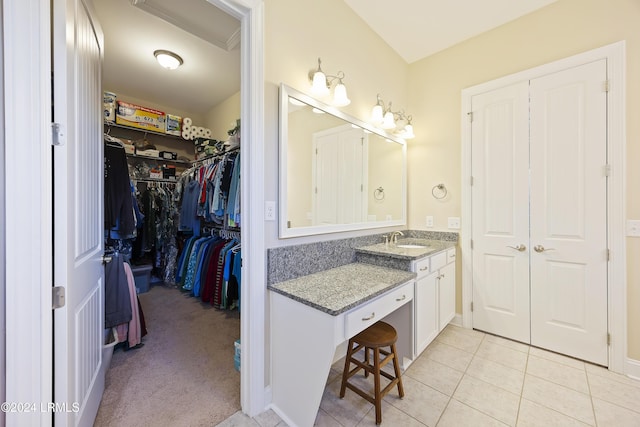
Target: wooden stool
x=376, y=336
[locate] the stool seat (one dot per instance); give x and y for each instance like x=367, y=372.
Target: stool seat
x=373, y=339
x=380, y=334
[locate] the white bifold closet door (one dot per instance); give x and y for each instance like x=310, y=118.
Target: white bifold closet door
x=539, y=212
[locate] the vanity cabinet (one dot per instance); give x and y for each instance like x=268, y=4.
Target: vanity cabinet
x=435, y=296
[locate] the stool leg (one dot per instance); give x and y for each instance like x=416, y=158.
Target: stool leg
x=347, y=365
x=366, y=360
x=376, y=380
x=396, y=369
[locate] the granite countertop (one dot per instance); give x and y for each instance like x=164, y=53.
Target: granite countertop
x=339, y=289
x=393, y=251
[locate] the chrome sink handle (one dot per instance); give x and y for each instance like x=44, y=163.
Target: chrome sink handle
x=540, y=248
x=519, y=248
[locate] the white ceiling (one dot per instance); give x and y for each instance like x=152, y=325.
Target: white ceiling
x=419, y=28
x=208, y=39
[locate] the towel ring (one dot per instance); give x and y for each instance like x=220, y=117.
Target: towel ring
x=439, y=191
x=378, y=193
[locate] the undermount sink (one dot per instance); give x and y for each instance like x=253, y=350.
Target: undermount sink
x=411, y=246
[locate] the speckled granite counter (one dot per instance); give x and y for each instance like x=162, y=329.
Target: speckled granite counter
x=391, y=256
x=339, y=289
x=393, y=251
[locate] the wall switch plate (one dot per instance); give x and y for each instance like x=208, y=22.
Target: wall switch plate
x=429, y=221
x=633, y=228
x=270, y=210
x=454, y=222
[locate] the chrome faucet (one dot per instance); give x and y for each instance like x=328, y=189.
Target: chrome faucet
x=394, y=236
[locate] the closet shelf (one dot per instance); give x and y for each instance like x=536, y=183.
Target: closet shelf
x=119, y=126
x=160, y=159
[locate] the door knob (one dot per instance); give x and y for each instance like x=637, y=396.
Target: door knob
x=106, y=259
x=519, y=248
x=540, y=248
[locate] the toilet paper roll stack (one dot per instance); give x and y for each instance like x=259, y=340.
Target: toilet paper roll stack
x=191, y=132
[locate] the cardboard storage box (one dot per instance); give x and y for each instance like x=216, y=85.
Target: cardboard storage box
x=140, y=117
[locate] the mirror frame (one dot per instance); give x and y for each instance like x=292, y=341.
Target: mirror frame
x=284, y=231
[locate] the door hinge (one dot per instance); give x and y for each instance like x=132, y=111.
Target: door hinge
x=471, y=181
x=57, y=297
x=58, y=134
x=472, y=306
x=606, y=86
x=608, y=254
x=607, y=170
x=470, y=114
x=608, y=338
x=471, y=243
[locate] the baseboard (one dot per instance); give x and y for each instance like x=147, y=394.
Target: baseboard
x=457, y=320
x=633, y=368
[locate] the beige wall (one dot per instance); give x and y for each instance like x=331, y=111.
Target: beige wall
x=222, y=117
x=557, y=31
x=296, y=34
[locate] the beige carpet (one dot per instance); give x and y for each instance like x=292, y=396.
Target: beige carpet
x=183, y=375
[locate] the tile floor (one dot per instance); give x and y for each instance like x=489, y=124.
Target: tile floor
x=468, y=378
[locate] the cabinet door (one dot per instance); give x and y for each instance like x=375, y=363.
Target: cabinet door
x=447, y=294
x=426, y=311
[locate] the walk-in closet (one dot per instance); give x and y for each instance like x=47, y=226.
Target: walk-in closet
x=173, y=218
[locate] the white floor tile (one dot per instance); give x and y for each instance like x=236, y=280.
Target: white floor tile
x=504, y=355
x=575, y=378
x=488, y=399
x=420, y=401
x=513, y=345
x=456, y=337
x=558, y=358
x=460, y=415
x=448, y=355
x=608, y=414
x=348, y=411
x=391, y=416
x=611, y=390
x=562, y=399
x=435, y=374
x=533, y=415
x=497, y=374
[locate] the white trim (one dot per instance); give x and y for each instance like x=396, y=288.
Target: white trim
x=633, y=369
x=253, y=392
x=615, y=56
x=28, y=267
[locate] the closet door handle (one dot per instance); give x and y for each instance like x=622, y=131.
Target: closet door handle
x=540, y=248
x=519, y=248
x=106, y=259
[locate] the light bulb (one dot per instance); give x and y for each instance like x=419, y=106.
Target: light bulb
x=376, y=114
x=408, y=132
x=340, y=98
x=388, y=122
x=319, y=85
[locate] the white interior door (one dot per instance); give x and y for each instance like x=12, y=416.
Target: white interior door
x=78, y=213
x=500, y=220
x=339, y=173
x=569, y=212
x=539, y=212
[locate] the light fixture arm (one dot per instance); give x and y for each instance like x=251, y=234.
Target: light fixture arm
x=330, y=78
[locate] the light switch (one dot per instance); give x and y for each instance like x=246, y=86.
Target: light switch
x=429, y=221
x=454, y=222
x=633, y=228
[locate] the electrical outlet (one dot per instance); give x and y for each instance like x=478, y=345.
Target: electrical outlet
x=633, y=228
x=270, y=210
x=429, y=221
x=454, y=222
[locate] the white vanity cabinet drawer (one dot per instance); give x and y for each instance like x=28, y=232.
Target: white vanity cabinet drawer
x=422, y=266
x=438, y=260
x=368, y=314
x=451, y=255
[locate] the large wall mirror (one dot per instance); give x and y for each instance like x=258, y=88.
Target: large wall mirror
x=337, y=173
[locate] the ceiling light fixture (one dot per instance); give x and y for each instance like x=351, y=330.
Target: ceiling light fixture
x=168, y=59
x=321, y=86
x=384, y=118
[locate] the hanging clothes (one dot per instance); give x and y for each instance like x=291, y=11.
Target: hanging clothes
x=118, y=200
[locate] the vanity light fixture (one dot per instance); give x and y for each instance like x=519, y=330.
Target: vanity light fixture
x=168, y=59
x=321, y=86
x=384, y=118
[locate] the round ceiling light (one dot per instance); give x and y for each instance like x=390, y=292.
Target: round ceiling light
x=168, y=59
